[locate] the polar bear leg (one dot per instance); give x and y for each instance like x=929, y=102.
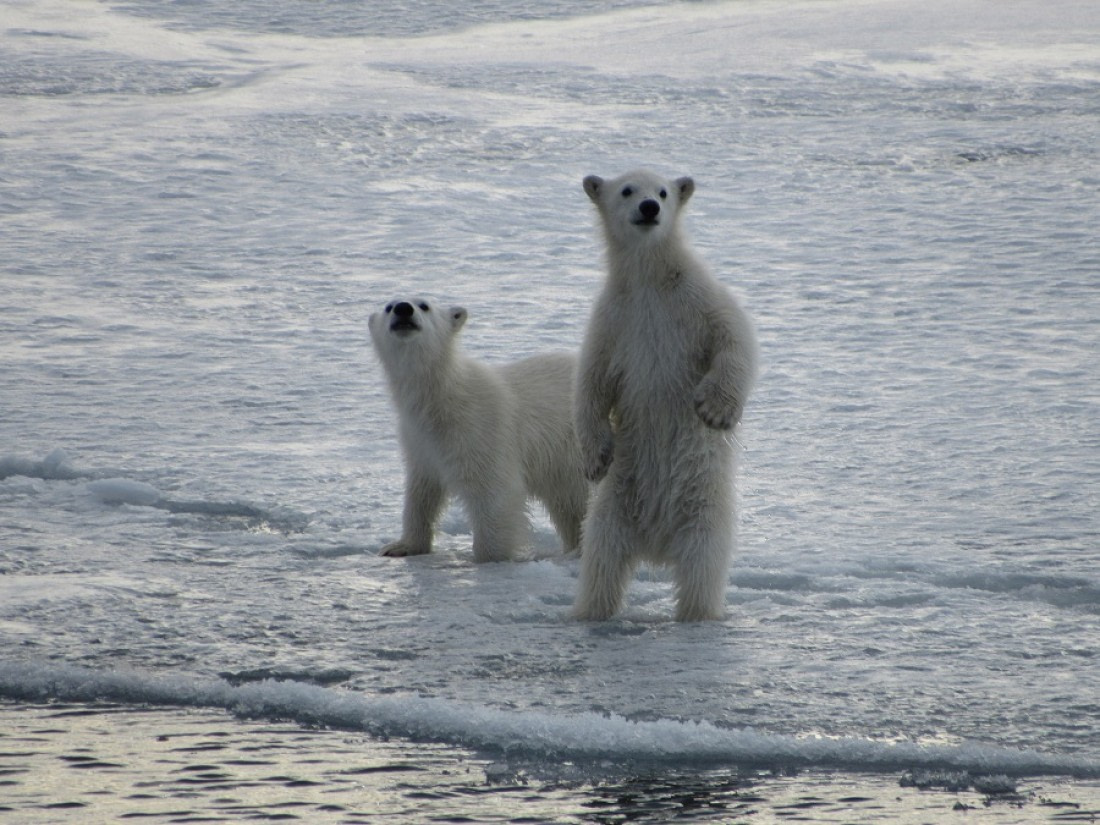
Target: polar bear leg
x=607, y=562
x=702, y=571
x=566, y=508
x=498, y=517
x=424, y=499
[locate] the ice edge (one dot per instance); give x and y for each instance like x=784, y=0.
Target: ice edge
x=588, y=736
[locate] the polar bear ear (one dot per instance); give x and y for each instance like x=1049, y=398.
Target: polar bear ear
x=592, y=186
x=458, y=317
x=686, y=187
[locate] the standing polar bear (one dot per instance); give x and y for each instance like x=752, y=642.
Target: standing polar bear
x=490, y=435
x=666, y=367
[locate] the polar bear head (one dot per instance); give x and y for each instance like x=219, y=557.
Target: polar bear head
x=639, y=207
x=414, y=329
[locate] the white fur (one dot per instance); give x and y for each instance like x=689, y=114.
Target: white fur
x=667, y=365
x=490, y=435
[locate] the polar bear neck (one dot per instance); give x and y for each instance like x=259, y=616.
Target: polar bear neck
x=429, y=386
x=651, y=264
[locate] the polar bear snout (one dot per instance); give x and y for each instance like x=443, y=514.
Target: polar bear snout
x=404, y=318
x=649, y=212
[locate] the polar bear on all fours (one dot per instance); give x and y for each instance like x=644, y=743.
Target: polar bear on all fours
x=492, y=436
x=666, y=367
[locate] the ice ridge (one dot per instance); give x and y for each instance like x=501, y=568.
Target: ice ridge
x=528, y=734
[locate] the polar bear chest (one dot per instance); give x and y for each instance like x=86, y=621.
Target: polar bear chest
x=460, y=428
x=658, y=355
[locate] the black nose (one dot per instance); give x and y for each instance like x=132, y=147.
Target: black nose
x=403, y=310
x=649, y=209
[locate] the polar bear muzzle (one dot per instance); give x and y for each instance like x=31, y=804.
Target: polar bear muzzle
x=648, y=211
x=404, y=318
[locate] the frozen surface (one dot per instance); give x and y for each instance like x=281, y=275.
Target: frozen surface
x=197, y=454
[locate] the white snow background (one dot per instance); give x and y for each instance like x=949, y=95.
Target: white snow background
x=200, y=207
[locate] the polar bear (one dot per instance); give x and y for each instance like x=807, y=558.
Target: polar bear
x=668, y=360
x=489, y=435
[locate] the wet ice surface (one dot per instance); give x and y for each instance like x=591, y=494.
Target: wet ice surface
x=198, y=459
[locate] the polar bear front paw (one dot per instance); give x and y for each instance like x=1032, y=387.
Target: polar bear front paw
x=598, y=461
x=718, y=410
x=401, y=549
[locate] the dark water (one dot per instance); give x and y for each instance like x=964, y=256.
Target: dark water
x=68, y=763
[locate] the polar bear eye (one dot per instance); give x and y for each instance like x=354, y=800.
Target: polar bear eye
x=389, y=308
x=423, y=306
x=628, y=191
x=664, y=194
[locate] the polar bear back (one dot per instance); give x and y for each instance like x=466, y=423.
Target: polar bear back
x=543, y=388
